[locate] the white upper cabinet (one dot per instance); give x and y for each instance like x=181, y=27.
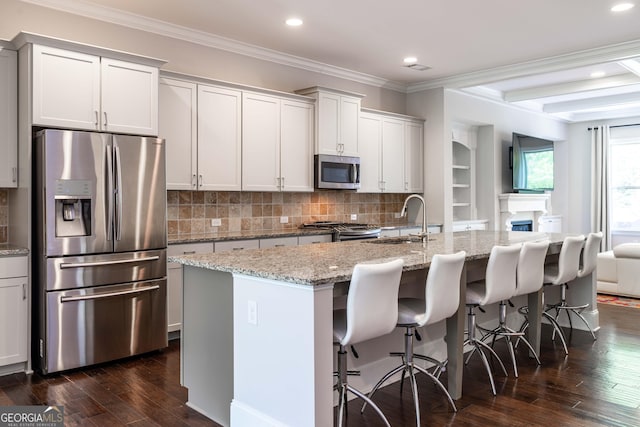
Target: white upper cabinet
x=219, y=139
x=260, y=142
x=177, y=125
x=276, y=143
x=129, y=97
x=393, y=156
x=202, y=128
x=390, y=153
x=8, y=118
x=66, y=88
x=337, y=117
x=414, y=157
x=296, y=145
x=370, y=135
x=83, y=91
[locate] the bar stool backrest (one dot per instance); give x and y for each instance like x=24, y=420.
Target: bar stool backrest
x=568, y=262
x=372, y=302
x=442, y=288
x=590, y=254
x=500, y=276
x=530, y=272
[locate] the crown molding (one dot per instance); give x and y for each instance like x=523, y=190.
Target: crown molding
x=202, y=38
x=616, y=52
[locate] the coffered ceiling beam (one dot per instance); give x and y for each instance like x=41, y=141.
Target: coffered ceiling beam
x=538, y=92
x=610, y=101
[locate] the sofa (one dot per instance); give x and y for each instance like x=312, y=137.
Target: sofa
x=618, y=271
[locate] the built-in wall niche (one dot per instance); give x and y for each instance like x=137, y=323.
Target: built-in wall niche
x=463, y=164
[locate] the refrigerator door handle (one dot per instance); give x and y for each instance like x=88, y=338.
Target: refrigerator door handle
x=103, y=263
x=118, y=172
x=109, y=190
x=109, y=294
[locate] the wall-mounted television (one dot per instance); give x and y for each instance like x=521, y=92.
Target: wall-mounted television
x=531, y=163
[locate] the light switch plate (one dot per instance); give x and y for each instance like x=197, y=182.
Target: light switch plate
x=284, y=219
x=354, y=217
x=216, y=222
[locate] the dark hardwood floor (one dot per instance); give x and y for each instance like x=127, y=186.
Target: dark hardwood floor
x=598, y=384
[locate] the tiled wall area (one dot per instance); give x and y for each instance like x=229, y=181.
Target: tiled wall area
x=4, y=216
x=191, y=212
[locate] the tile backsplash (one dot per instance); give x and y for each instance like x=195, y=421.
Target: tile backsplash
x=4, y=216
x=191, y=212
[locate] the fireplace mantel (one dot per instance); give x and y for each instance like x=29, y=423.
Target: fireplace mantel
x=518, y=206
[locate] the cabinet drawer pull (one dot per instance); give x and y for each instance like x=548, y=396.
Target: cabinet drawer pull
x=281, y=245
x=188, y=252
x=238, y=249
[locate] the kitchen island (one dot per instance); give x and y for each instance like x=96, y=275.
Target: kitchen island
x=257, y=324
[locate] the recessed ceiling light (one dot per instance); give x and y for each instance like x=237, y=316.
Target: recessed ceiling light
x=597, y=74
x=410, y=60
x=621, y=7
x=294, y=22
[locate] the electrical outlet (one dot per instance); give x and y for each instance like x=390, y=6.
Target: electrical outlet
x=252, y=312
x=216, y=222
x=354, y=217
x=284, y=219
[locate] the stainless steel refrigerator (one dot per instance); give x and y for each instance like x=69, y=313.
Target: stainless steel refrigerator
x=100, y=239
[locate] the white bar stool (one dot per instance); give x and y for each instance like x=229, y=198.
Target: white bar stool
x=529, y=275
x=371, y=311
x=442, y=297
x=589, y=261
x=499, y=284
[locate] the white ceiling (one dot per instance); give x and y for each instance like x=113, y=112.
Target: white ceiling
x=537, y=54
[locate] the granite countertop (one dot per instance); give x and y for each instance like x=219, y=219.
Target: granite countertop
x=7, y=249
x=266, y=234
x=333, y=262
x=241, y=235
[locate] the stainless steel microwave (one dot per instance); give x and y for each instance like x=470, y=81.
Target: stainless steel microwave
x=337, y=172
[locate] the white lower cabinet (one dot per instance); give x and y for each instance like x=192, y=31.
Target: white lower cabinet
x=174, y=281
x=470, y=225
x=318, y=238
x=550, y=224
x=14, y=310
x=278, y=242
x=236, y=245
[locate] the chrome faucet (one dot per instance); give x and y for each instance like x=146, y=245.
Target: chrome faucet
x=403, y=212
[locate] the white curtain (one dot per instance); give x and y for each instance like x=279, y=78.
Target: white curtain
x=600, y=183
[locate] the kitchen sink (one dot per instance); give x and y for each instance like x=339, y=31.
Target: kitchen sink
x=396, y=240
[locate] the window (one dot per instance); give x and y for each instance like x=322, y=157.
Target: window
x=624, y=187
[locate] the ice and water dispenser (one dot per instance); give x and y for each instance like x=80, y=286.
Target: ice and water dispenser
x=73, y=207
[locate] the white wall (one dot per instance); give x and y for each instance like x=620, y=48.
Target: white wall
x=444, y=107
